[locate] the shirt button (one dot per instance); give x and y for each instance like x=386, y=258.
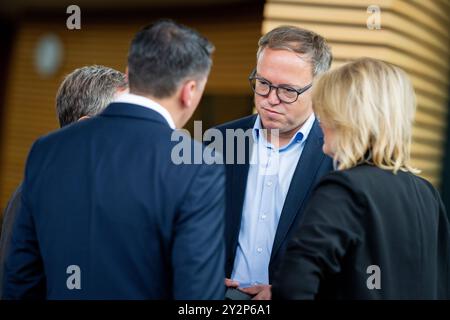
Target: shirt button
x=269, y=183
x=263, y=216
x=259, y=250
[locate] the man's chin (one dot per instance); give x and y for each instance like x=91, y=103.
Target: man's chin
x=271, y=124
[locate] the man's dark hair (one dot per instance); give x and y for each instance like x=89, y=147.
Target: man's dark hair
x=87, y=91
x=165, y=53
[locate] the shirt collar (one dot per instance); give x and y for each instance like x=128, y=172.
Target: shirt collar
x=147, y=103
x=299, y=137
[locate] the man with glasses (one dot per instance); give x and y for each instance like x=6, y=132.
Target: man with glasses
x=266, y=195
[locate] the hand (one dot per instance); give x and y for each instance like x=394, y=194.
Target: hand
x=231, y=283
x=259, y=292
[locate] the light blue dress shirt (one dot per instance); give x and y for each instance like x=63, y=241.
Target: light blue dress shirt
x=269, y=177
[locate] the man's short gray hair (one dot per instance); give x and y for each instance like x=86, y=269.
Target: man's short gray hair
x=301, y=41
x=87, y=91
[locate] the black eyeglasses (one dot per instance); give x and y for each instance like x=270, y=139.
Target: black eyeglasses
x=262, y=87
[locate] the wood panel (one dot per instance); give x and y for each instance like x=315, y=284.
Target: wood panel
x=29, y=111
x=414, y=35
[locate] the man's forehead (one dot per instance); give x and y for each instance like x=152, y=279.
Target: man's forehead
x=305, y=57
x=284, y=58
x=279, y=70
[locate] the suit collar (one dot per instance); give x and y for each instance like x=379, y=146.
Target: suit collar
x=148, y=103
x=120, y=109
x=300, y=136
x=251, y=121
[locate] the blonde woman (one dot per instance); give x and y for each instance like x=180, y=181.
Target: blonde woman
x=373, y=229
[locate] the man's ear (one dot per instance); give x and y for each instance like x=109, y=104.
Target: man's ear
x=83, y=117
x=187, y=93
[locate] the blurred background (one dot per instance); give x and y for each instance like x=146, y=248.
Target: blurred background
x=37, y=50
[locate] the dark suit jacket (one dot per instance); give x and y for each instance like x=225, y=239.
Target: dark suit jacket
x=313, y=164
x=103, y=194
x=362, y=219
x=9, y=215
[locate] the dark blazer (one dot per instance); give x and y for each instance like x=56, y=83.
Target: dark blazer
x=9, y=215
x=363, y=219
x=104, y=195
x=312, y=165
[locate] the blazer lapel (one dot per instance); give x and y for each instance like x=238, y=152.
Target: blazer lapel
x=238, y=175
x=301, y=184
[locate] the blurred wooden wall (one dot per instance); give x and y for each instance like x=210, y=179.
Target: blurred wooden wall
x=414, y=35
x=29, y=111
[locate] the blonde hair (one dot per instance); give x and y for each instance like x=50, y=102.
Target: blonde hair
x=370, y=105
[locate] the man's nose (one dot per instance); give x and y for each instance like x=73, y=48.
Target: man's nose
x=273, y=98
